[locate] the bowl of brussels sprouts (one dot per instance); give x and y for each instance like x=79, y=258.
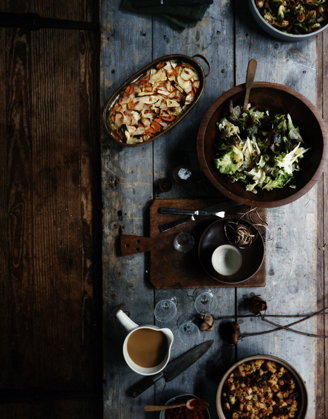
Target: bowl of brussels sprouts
x=268, y=155
x=291, y=20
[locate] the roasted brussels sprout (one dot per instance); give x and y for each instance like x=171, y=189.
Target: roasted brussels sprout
x=296, y=17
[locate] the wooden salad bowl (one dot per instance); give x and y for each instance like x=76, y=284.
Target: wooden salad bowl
x=278, y=99
x=173, y=57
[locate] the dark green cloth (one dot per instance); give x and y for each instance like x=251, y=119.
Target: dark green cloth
x=179, y=17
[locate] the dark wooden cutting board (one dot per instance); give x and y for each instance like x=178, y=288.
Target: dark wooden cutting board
x=170, y=268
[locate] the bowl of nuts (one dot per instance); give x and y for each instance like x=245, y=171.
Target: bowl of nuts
x=263, y=386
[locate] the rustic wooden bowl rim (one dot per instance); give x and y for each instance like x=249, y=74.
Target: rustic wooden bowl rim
x=301, y=384
x=249, y=201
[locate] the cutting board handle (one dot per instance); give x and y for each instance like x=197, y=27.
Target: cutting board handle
x=130, y=245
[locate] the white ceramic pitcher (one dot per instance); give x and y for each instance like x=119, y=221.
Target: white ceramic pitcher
x=131, y=327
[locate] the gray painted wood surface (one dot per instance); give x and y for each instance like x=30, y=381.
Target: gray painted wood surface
x=291, y=243
x=228, y=37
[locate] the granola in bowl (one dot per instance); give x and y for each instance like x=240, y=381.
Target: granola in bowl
x=261, y=388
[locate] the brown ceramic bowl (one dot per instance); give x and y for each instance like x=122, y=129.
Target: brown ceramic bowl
x=278, y=99
x=300, y=385
x=178, y=57
x=252, y=256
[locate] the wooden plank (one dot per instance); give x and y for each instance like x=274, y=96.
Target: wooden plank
x=323, y=230
x=213, y=38
x=63, y=409
x=49, y=320
x=291, y=64
x=320, y=372
x=127, y=178
x=91, y=194
x=18, y=272
x=291, y=243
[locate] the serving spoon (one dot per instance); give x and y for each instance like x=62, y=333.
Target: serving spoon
x=196, y=405
x=251, y=70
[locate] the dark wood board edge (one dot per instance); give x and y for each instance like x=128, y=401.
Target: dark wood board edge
x=320, y=372
x=322, y=234
x=258, y=280
x=325, y=116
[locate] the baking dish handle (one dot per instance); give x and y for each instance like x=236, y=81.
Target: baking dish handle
x=203, y=58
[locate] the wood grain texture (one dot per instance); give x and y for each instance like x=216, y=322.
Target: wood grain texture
x=50, y=323
x=228, y=37
x=64, y=409
x=127, y=177
x=172, y=269
x=324, y=295
x=322, y=401
x=320, y=372
x=291, y=244
x=213, y=38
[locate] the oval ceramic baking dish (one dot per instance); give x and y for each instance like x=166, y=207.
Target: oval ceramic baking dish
x=175, y=58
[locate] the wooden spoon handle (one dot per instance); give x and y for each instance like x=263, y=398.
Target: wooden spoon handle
x=251, y=70
x=156, y=408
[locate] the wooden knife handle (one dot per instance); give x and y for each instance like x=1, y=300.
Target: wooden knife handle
x=130, y=245
x=149, y=408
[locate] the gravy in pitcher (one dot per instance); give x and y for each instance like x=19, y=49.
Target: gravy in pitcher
x=147, y=347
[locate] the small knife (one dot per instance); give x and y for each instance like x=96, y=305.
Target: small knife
x=174, y=368
x=221, y=206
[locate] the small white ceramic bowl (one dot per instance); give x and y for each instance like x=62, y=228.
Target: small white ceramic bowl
x=226, y=260
x=276, y=32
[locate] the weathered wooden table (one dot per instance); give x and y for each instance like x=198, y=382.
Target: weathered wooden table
x=295, y=269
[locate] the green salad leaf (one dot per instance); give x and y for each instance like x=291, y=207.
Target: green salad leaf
x=260, y=149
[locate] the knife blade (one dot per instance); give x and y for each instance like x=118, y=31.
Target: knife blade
x=221, y=206
x=174, y=368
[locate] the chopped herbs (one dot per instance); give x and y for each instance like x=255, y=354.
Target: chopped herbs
x=259, y=149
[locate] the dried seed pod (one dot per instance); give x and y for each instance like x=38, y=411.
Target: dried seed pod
x=236, y=334
x=208, y=324
x=255, y=305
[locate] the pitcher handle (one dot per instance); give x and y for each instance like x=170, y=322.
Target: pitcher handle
x=126, y=321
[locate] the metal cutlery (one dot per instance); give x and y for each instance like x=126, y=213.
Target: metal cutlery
x=198, y=213
x=221, y=206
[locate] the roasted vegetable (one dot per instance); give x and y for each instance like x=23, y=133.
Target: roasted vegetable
x=297, y=17
x=258, y=149
x=153, y=101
